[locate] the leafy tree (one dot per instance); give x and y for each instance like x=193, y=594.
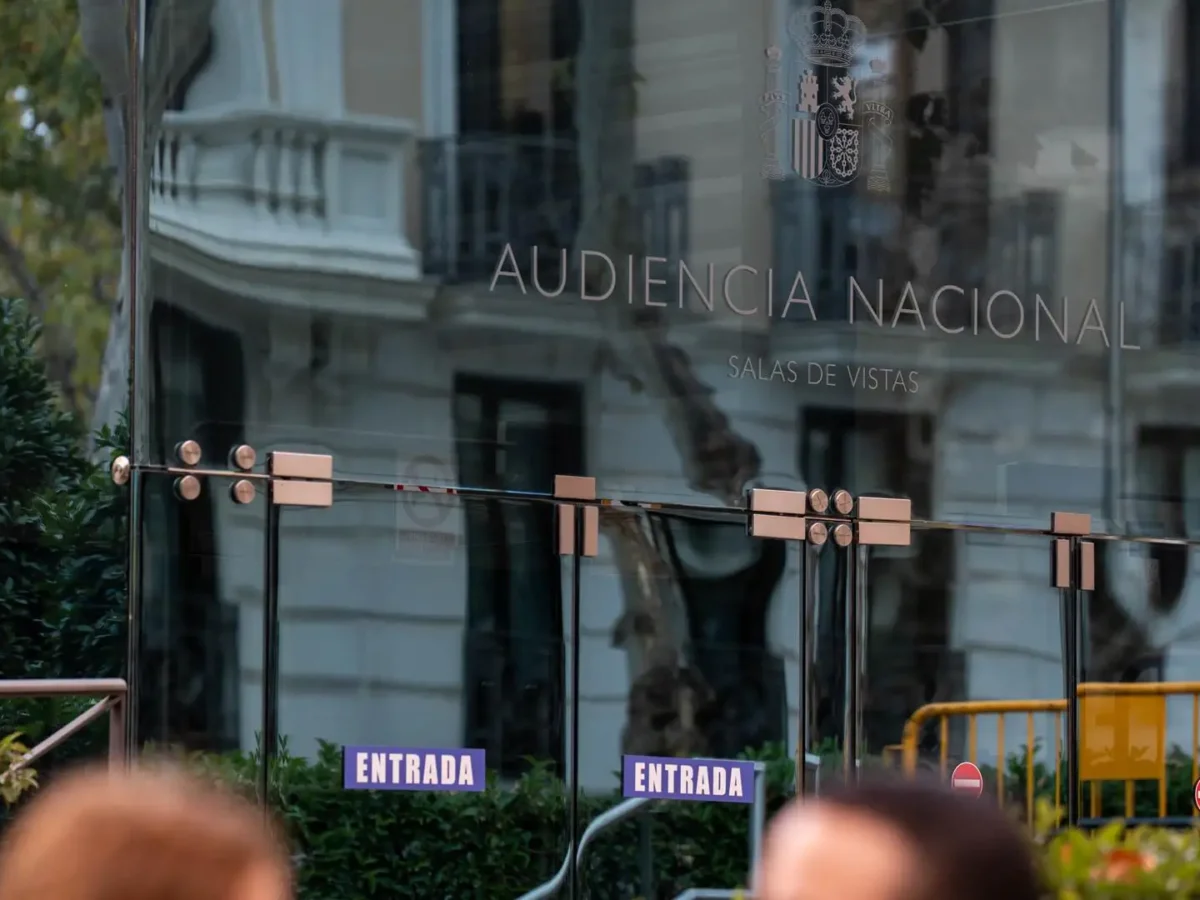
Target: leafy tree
x=62, y=540
x=60, y=238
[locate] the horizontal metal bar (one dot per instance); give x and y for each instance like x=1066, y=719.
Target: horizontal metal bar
x=219, y=473
x=984, y=708
x=58, y=687
x=1187, y=822
x=1138, y=688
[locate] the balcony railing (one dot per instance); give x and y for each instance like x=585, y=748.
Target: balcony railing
x=285, y=190
x=481, y=192
x=1013, y=245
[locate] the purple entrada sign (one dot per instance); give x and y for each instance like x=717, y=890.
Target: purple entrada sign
x=666, y=778
x=413, y=769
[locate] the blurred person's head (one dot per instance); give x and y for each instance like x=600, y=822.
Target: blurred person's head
x=141, y=835
x=896, y=841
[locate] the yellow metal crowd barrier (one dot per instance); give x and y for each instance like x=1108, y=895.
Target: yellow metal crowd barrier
x=1122, y=737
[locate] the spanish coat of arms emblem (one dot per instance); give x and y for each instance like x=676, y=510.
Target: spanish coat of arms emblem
x=830, y=127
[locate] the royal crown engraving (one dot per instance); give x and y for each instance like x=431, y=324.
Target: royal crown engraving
x=827, y=36
x=832, y=108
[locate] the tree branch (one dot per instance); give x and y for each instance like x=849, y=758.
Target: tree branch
x=14, y=258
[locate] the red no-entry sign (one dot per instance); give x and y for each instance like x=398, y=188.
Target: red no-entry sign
x=967, y=779
x=1196, y=794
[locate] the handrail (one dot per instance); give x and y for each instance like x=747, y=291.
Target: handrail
x=112, y=691
x=598, y=824
x=758, y=817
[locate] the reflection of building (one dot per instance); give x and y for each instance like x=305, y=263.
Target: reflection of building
x=326, y=214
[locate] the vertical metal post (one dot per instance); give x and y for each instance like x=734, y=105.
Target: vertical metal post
x=810, y=581
x=646, y=854
x=1069, y=616
x=1114, y=382
x=133, y=153
x=1072, y=572
x=118, y=758
x=850, y=710
x=860, y=559
x=301, y=480
x=758, y=824
x=573, y=881
x=270, y=651
x=578, y=535
x=133, y=612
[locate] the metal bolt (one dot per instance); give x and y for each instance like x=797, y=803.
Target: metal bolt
x=843, y=502
x=818, y=533
x=242, y=457
x=242, y=491
x=188, y=452
x=187, y=487
x=843, y=534
x=818, y=500
x=120, y=470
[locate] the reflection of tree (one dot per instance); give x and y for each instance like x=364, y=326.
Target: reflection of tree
x=59, y=243
x=177, y=36
x=668, y=694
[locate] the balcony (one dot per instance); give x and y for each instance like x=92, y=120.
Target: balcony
x=1012, y=244
x=481, y=192
x=285, y=191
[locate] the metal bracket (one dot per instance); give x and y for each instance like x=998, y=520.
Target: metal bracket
x=777, y=515
x=300, y=479
x=1068, y=569
x=815, y=516
x=580, y=488
x=885, y=521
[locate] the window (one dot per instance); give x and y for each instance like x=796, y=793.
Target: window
x=1191, y=83
x=515, y=437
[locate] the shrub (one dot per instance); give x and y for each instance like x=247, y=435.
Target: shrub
x=62, y=545
x=1116, y=862
x=511, y=838
x=499, y=843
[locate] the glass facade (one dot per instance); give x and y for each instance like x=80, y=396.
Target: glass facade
x=685, y=378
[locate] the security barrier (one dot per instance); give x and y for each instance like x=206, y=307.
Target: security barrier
x=1122, y=737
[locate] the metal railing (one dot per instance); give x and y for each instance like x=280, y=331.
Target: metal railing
x=112, y=694
x=618, y=813
x=622, y=811
x=830, y=237
x=481, y=192
x=1103, y=760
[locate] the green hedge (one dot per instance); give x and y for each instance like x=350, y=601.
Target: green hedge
x=511, y=838
x=496, y=844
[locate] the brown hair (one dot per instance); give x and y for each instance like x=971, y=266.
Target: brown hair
x=968, y=847
x=149, y=834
